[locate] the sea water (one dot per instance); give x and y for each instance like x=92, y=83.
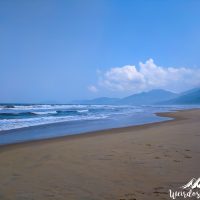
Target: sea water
x=25, y=122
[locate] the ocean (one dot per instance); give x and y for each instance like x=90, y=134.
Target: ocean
x=25, y=122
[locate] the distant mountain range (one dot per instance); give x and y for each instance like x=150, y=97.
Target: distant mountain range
x=188, y=97
x=152, y=97
x=146, y=98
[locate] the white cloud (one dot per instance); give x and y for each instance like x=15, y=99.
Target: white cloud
x=149, y=76
x=92, y=88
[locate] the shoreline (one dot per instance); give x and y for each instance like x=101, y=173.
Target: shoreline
x=169, y=114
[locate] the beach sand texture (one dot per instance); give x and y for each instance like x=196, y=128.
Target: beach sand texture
x=132, y=163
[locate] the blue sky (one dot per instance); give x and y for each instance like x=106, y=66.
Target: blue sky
x=75, y=49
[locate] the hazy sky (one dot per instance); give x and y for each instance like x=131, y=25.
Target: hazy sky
x=60, y=50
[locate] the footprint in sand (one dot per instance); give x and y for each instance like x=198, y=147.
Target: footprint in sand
x=187, y=149
x=149, y=145
x=166, y=155
x=177, y=161
x=129, y=199
x=106, y=157
x=129, y=196
x=159, y=190
x=140, y=192
x=186, y=156
x=15, y=174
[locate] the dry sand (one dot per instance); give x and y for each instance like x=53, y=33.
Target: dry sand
x=141, y=162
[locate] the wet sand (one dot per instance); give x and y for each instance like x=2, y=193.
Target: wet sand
x=141, y=162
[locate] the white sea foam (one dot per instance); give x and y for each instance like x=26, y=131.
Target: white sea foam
x=82, y=111
x=43, y=107
x=8, y=124
x=44, y=112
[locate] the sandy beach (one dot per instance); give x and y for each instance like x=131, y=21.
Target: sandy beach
x=141, y=162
